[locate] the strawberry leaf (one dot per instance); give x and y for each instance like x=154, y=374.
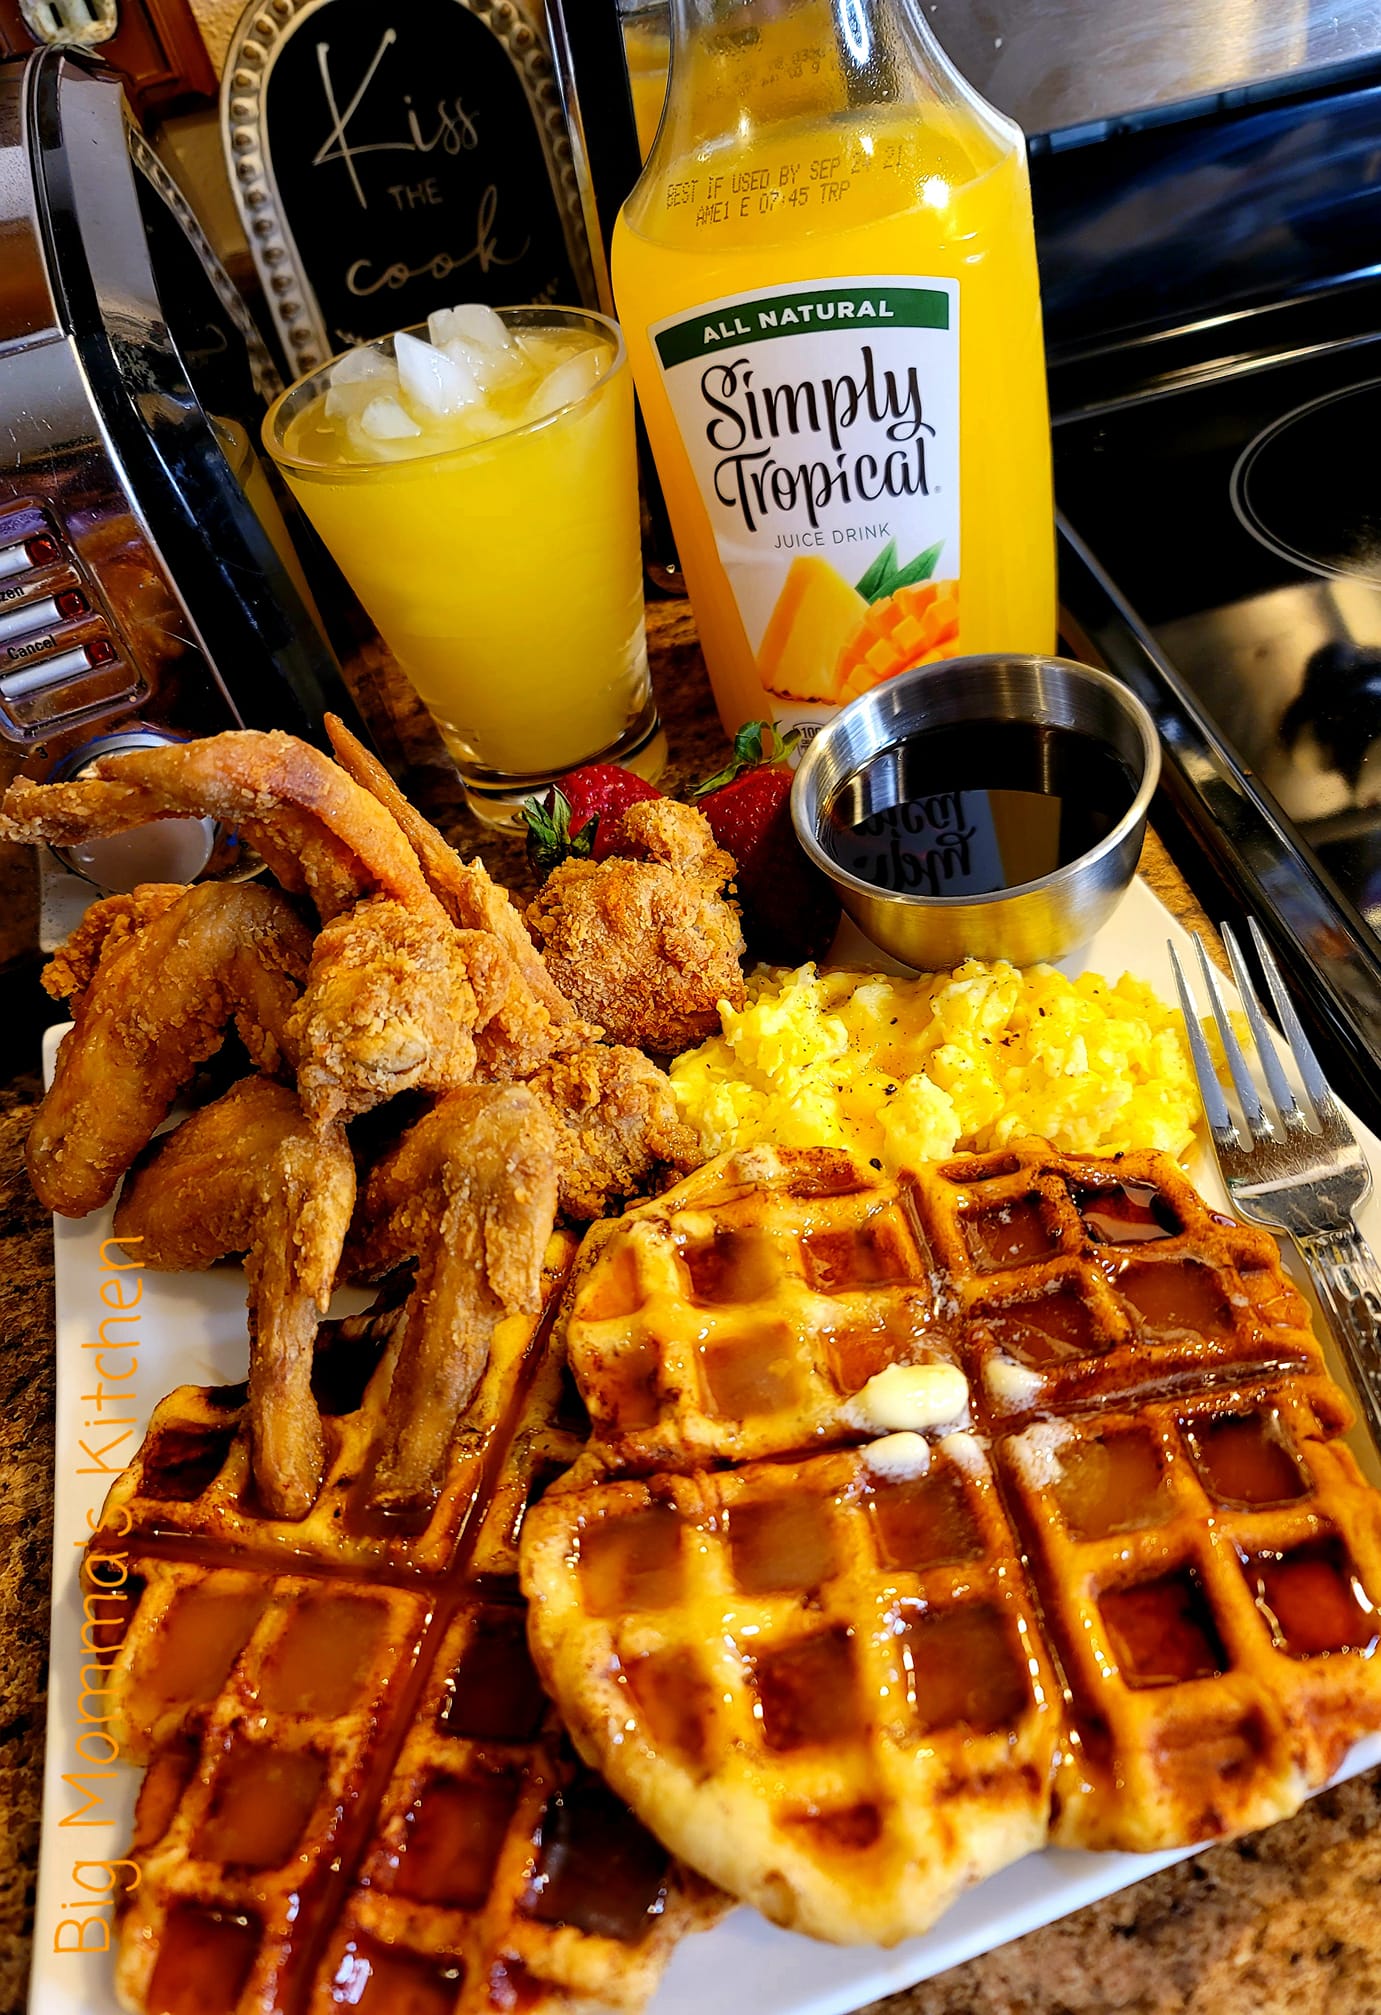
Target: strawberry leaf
x=549, y=837
x=757, y=745
x=748, y=745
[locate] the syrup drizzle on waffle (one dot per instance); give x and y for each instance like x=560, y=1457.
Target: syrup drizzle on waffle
x=357, y=1794
x=1127, y=1601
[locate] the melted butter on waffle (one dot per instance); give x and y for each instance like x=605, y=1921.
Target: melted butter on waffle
x=1128, y=1602
x=741, y=1313
x=357, y=1793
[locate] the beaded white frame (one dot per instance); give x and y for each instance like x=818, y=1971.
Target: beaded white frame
x=255, y=45
x=263, y=370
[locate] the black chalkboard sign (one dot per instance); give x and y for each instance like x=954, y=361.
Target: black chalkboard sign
x=394, y=159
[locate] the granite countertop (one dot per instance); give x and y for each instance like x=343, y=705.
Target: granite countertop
x=1283, y=1923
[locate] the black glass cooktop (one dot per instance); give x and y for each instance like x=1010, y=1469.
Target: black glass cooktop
x=1239, y=512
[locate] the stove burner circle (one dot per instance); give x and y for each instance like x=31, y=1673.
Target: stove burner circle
x=1309, y=489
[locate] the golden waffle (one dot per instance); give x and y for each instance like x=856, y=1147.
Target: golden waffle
x=495, y=1856
x=1075, y=1278
x=1129, y=1604
x=357, y=1795
x=737, y=1314
x=192, y=1481
x=1213, y=1553
x=727, y=1646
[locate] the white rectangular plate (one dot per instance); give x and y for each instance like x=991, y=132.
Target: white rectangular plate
x=190, y=1329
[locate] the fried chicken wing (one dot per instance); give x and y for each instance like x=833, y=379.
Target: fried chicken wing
x=318, y=831
x=617, y=1125
x=464, y=888
x=646, y=946
x=248, y=1174
x=516, y=1032
x=398, y=1001
x=153, y=1007
x=470, y=1191
x=390, y=1005
x=108, y=922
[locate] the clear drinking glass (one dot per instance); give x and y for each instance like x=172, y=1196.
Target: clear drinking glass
x=505, y=574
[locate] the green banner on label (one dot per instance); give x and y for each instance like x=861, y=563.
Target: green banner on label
x=778, y=315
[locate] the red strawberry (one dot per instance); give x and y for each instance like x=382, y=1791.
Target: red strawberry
x=790, y=910
x=583, y=819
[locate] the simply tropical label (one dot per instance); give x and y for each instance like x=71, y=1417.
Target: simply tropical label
x=822, y=425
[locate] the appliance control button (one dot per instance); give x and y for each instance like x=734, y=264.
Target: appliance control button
x=29, y=555
x=40, y=615
x=53, y=671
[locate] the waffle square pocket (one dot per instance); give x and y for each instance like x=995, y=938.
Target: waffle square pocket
x=1122, y=1595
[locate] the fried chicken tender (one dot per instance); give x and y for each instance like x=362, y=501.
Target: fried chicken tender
x=463, y=888
x=470, y=1191
x=645, y=943
x=618, y=1124
x=248, y=1174
x=155, y=1005
x=398, y=1001
x=314, y=826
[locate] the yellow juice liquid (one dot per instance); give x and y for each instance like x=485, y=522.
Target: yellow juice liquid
x=822, y=191
x=504, y=573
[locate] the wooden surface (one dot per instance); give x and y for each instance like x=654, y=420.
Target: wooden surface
x=1284, y=1923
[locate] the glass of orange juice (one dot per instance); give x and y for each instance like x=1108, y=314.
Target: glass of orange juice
x=475, y=480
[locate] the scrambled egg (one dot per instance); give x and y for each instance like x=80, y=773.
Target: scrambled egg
x=909, y=1070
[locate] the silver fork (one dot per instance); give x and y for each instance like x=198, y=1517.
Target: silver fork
x=1306, y=1182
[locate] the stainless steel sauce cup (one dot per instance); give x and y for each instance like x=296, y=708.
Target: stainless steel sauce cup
x=1032, y=921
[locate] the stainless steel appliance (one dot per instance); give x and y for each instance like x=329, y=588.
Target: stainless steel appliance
x=1213, y=313
x=140, y=587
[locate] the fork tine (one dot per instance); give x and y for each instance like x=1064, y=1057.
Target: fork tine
x=1210, y=1091
x=1248, y=1097
x=1315, y=1083
x=1283, y=1097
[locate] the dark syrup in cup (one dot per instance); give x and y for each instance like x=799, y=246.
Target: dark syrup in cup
x=976, y=807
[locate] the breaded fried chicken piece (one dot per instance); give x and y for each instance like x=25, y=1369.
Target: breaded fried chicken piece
x=646, y=946
x=402, y=1001
x=108, y=922
x=617, y=1121
x=319, y=832
x=464, y=889
x=661, y=829
x=390, y=1006
x=517, y=1031
x=470, y=1191
x=248, y=1174
x=155, y=1007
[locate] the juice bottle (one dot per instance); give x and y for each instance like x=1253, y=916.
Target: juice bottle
x=647, y=52
x=826, y=277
